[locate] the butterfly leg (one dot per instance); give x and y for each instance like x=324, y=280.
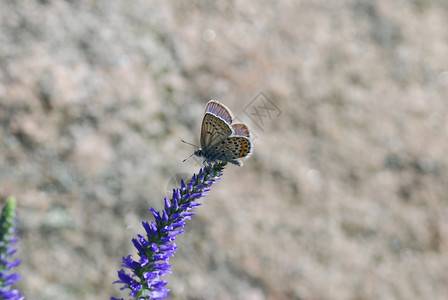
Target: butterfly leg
x=236, y=162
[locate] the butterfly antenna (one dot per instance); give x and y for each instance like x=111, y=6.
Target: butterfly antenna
x=190, y=144
x=188, y=157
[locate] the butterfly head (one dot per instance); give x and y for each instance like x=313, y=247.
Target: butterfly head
x=199, y=152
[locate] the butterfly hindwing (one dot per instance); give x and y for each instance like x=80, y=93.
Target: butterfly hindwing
x=232, y=149
x=241, y=130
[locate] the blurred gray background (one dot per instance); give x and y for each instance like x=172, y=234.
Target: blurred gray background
x=345, y=196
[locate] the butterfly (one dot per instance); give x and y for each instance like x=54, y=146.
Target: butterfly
x=220, y=139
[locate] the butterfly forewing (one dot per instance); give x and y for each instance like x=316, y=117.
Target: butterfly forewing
x=214, y=129
x=220, y=110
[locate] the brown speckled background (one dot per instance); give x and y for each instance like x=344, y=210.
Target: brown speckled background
x=345, y=196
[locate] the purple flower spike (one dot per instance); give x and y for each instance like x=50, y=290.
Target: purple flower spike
x=154, y=249
x=7, y=239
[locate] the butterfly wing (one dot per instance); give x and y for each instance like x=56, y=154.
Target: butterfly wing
x=220, y=110
x=232, y=148
x=241, y=130
x=214, y=130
